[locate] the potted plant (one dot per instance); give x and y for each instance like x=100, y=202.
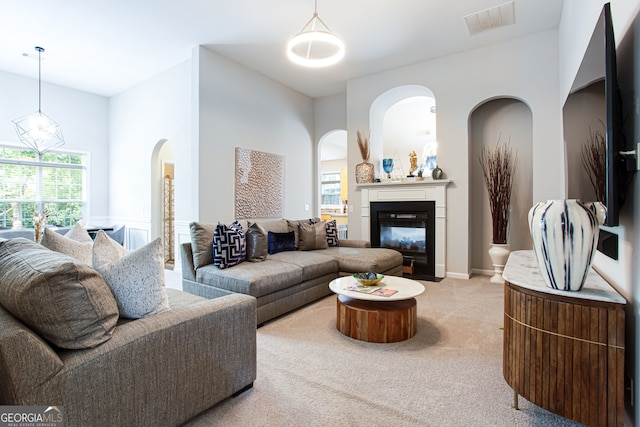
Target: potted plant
x=365, y=171
x=498, y=166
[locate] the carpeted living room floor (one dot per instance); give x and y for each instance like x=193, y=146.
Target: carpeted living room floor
x=448, y=374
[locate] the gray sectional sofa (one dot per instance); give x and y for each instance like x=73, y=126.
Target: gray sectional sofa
x=284, y=281
x=104, y=370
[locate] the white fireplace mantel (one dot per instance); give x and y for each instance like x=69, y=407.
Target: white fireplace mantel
x=409, y=191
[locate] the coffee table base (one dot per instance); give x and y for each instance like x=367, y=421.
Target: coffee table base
x=373, y=321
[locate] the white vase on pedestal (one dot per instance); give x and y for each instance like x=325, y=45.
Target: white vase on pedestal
x=499, y=253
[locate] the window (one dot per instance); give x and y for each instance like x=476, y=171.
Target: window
x=54, y=182
x=330, y=188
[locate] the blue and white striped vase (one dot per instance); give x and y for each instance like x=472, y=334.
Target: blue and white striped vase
x=565, y=235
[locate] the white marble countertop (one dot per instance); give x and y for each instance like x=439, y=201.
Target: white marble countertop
x=522, y=269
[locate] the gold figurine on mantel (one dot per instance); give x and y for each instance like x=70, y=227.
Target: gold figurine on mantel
x=413, y=161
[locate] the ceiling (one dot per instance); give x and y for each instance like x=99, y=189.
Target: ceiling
x=108, y=46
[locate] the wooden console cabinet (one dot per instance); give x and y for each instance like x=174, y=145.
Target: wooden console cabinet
x=564, y=351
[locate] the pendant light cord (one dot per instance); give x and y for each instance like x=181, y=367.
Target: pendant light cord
x=40, y=50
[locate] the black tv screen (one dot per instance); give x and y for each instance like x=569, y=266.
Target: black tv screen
x=592, y=113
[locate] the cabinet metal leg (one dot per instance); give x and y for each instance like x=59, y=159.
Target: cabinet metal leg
x=515, y=400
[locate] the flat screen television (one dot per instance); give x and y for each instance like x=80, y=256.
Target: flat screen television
x=593, y=110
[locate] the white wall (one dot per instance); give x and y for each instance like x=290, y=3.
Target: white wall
x=525, y=69
x=242, y=108
x=83, y=118
x=576, y=26
x=156, y=110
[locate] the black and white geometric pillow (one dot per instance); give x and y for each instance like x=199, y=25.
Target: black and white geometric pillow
x=332, y=233
x=229, y=245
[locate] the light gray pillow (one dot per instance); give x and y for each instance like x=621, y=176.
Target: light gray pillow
x=202, y=243
x=257, y=243
x=312, y=236
x=136, y=279
x=79, y=234
x=106, y=250
x=80, y=250
x=63, y=300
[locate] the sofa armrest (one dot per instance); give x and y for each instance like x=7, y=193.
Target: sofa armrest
x=26, y=360
x=354, y=243
x=188, y=267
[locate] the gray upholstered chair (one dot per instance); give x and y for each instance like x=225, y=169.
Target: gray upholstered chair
x=27, y=233
x=117, y=234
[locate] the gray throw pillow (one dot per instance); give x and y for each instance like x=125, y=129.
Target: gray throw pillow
x=136, y=278
x=63, y=300
x=257, y=243
x=80, y=250
x=202, y=243
x=312, y=236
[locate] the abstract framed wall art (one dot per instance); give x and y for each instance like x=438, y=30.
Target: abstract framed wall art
x=259, y=184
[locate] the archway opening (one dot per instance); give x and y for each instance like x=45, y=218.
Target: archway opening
x=162, y=198
x=333, y=179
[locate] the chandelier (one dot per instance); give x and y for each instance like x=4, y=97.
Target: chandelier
x=37, y=130
x=315, y=45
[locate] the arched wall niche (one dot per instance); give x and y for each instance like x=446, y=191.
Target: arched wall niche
x=381, y=148
x=508, y=120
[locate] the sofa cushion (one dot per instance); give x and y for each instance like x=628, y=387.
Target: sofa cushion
x=136, y=279
x=332, y=233
x=280, y=242
x=257, y=244
x=312, y=263
x=79, y=249
x=312, y=236
x=357, y=260
x=274, y=225
x=252, y=279
x=63, y=300
x=229, y=245
x=202, y=243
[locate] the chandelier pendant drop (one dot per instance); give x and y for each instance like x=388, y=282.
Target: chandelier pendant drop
x=37, y=130
x=315, y=45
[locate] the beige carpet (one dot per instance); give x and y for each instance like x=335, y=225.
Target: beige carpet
x=449, y=374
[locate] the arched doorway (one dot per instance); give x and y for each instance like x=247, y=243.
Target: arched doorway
x=162, y=198
x=333, y=179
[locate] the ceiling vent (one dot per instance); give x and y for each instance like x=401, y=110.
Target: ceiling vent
x=487, y=19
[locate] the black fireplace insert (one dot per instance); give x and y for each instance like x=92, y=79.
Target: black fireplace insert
x=408, y=227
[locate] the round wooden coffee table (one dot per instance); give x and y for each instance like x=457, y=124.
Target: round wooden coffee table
x=373, y=318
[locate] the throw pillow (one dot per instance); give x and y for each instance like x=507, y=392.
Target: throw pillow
x=63, y=300
x=201, y=243
x=332, y=233
x=136, y=279
x=280, y=242
x=229, y=245
x=79, y=249
x=257, y=244
x=79, y=234
x=293, y=226
x=313, y=236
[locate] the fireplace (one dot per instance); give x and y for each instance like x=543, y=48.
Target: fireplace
x=408, y=227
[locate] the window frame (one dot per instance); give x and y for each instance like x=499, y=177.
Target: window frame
x=323, y=182
x=39, y=201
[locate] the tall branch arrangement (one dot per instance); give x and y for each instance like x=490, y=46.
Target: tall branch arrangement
x=363, y=145
x=594, y=163
x=498, y=166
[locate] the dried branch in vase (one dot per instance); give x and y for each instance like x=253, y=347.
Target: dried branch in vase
x=498, y=168
x=594, y=163
x=363, y=145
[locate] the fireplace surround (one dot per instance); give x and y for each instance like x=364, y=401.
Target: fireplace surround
x=410, y=191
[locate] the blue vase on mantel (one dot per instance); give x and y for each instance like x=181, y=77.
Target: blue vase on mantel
x=565, y=235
